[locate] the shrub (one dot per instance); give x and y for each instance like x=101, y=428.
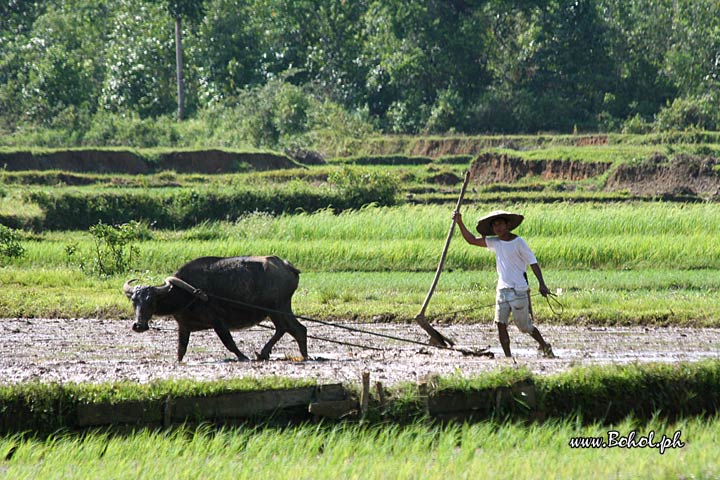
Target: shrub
x=114, y=250
x=636, y=124
x=10, y=243
x=699, y=112
x=447, y=114
x=360, y=187
x=112, y=129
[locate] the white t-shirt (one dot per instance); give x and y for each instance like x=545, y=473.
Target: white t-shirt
x=512, y=259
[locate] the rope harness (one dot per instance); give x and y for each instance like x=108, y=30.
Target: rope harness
x=199, y=294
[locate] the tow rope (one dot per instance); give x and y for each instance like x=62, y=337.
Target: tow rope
x=199, y=294
x=204, y=296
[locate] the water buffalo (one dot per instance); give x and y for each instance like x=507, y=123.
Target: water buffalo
x=220, y=293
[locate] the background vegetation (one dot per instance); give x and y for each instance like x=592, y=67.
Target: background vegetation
x=279, y=74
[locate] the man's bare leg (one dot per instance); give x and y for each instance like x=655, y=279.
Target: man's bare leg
x=504, y=338
x=545, y=347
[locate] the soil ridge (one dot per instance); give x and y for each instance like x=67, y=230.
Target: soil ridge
x=129, y=162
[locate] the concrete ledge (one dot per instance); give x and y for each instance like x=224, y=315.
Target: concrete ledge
x=234, y=405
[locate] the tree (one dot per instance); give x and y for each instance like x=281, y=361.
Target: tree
x=139, y=59
x=320, y=43
x=416, y=49
x=640, y=35
x=567, y=70
x=52, y=66
x=693, y=60
x=229, y=52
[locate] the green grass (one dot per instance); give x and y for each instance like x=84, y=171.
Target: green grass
x=117, y=392
x=640, y=263
x=651, y=235
x=483, y=450
x=600, y=154
x=623, y=297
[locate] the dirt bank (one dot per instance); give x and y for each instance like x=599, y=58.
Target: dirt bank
x=681, y=176
x=658, y=175
x=117, y=161
x=464, y=145
x=493, y=168
x=92, y=350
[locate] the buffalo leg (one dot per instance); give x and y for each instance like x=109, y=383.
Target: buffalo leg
x=286, y=322
x=279, y=332
x=183, y=340
x=227, y=339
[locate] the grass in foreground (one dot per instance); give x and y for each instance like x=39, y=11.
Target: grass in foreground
x=484, y=450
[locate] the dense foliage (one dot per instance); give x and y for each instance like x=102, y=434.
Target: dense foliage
x=288, y=74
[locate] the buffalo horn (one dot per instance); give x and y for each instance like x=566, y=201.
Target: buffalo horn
x=128, y=288
x=163, y=289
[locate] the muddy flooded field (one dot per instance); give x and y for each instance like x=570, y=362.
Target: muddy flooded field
x=93, y=350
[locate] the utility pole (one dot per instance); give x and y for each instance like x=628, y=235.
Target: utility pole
x=179, y=64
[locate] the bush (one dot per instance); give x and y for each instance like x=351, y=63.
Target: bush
x=493, y=112
x=405, y=117
x=114, y=250
x=447, y=114
x=362, y=187
x=337, y=131
x=636, y=125
x=699, y=112
x=10, y=243
x=111, y=129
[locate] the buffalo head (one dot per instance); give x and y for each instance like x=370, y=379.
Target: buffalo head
x=144, y=299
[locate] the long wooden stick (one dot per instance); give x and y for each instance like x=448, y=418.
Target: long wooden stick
x=436, y=336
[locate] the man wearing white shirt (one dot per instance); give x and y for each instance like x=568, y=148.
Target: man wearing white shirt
x=512, y=256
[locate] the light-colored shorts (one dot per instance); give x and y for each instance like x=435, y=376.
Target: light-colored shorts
x=517, y=301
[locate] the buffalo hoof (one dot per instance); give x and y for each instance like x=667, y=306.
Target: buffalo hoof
x=260, y=356
x=236, y=359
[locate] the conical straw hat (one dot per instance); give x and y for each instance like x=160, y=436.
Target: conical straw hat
x=484, y=225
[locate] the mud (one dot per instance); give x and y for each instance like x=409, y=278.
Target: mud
x=93, y=350
x=681, y=177
x=107, y=161
x=492, y=168
x=658, y=175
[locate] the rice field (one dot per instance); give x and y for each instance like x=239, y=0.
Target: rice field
x=481, y=450
x=646, y=262
x=409, y=238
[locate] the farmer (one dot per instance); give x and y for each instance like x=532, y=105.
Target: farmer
x=512, y=256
